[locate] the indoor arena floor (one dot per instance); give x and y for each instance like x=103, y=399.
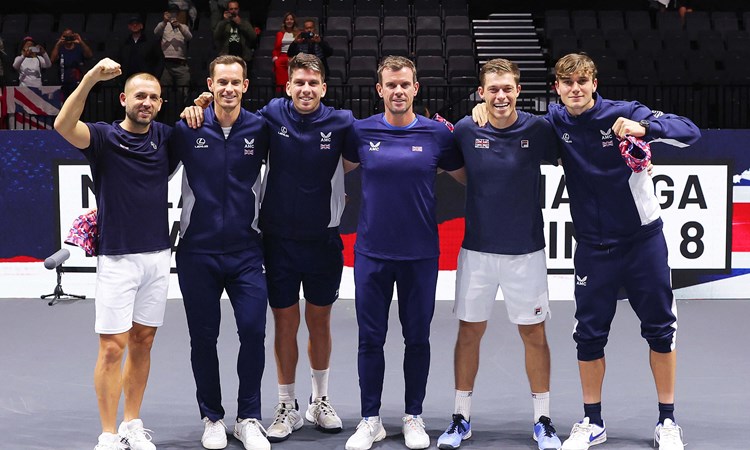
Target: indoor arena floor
x=47, y=399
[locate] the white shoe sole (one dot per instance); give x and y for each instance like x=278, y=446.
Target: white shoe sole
x=378, y=437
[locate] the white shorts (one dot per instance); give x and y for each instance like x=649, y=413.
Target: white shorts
x=131, y=288
x=522, y=279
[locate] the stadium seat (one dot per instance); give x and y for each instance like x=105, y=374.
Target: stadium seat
x=431, y=25
x=459, y=45
x=365, y=46
x=395, y=26
x=394, y=45
x=367, y=26
x=341, y=8
x=456, y=25
x=363, y=66
x=431, y=66
x=428, y=46
x=339, y=26
x=339, y=44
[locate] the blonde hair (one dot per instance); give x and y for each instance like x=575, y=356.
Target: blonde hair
x=499, y=66
x=575, y=63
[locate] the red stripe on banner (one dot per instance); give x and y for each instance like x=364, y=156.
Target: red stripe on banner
x=451, y=234
x=741, y=227
x=20, y=98
x=3, y=102
x=19, y=259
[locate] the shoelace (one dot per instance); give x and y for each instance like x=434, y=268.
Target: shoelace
x=580, y=431
x=215, y=430
x=415, y=423
x=254, y=427
x=670, y=434
x=282, y=412
x=366, y=423
x=456, y=424
x=547, y=426
x=325, y=408
x=138, y=435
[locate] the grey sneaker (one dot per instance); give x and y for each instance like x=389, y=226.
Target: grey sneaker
x=286, y=419
x=321, y=413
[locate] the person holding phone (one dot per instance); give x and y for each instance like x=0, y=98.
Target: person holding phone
x=71, y=51
x=310, y=42
x=234, y=35
x=30, y=62
x=174, y=38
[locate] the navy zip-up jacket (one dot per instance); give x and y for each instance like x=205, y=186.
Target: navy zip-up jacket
x=609, y=203
x=221, y=183
x=303, y=187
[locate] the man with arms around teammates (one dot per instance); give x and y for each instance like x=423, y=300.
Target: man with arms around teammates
x=503, y=244
x=220, y=249
x=620, y=242
x=130, y=167
x=303, y=199
x=397, y=242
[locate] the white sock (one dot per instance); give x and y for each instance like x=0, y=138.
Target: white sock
x=541, y=405
x=319, y=383
x=463, y=403
x=286, y=394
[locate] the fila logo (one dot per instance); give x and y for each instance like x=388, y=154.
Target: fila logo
x=538, y=311
x=153, y=145
x=200, y=143
x=606, y=134
x=375, y=147
x=283, y=132
x=525, y=143
x=249, y=147
x=581, y=281
x=481, y=143
x=416, y=148
x=325, y=137
x=656, y=113
x=566, y=138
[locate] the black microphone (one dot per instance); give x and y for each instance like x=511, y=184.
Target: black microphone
x=56, y=259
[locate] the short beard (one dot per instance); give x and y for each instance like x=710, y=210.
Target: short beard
x=132, y=114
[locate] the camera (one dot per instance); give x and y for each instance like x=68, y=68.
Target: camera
x=34, y=49
x=307, y=35
x=232, y=15
x=69, y=38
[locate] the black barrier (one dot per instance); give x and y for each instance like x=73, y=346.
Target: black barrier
x=709, y=106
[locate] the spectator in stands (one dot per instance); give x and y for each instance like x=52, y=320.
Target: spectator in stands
x=174, y=37
x=309, y=41
x=30, y=62
x=235, y=35
x=186, y=12
x=284, y=38
x=217, y=8
x=71, y=51
x=138, y=53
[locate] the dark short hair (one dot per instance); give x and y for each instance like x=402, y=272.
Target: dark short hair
x=227, y=59
x=395, y=63
x=307, y=61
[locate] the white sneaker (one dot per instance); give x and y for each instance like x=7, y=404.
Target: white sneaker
x=369, y=431
x=134, y=436
x=286, y=419
x=584, y=435
x=321, y=413
x=214, y=434
x=252, y=434
x=414, y=434
x=668, y=435
x=109, y=441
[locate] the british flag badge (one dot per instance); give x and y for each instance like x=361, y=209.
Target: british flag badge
x=481, y=143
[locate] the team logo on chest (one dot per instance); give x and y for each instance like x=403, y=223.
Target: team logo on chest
x=566, y=138
x=283, y=132
x=607, y=138
x=375, y=147
x=416, y=148
x=153, y=145
x=249, y=147
x=581, y=281
x=481, y=143
x=325, y=140
x=201, y=143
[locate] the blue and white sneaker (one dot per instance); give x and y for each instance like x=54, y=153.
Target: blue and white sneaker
x=668, y=435
x=584, y=435
x=459, y=430
x=545, y=434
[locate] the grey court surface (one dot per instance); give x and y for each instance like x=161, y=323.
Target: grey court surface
x=47, y=398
